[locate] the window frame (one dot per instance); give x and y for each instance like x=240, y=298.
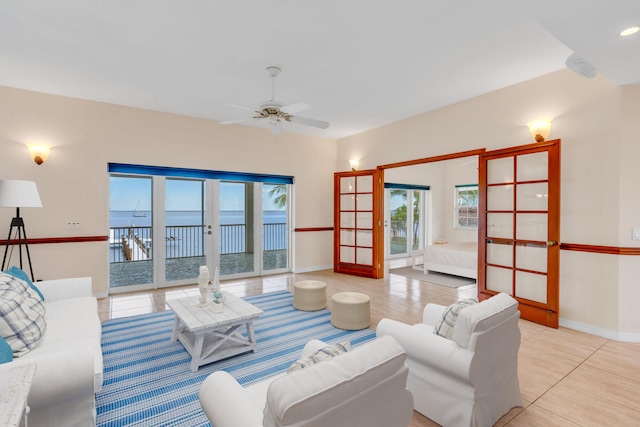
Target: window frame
x=458, y=207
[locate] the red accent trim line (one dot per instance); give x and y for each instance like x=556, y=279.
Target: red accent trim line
x=611, y=250
x=42, y=240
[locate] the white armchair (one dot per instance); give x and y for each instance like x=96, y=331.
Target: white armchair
x=363, y=387
x=472, y=378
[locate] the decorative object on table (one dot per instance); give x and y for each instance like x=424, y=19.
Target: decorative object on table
x=217, y=305
x=203, y=284
x=18, y=194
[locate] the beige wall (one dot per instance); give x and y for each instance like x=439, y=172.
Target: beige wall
x=86, y=136
x=597, y=121
x=598, y=124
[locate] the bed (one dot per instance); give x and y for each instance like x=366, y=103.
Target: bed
x=460, y=259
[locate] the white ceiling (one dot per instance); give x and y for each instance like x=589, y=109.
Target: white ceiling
x=359, y=63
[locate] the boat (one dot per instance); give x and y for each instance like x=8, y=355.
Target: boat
x=137, y=212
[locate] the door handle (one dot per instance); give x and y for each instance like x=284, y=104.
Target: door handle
x=552, y=243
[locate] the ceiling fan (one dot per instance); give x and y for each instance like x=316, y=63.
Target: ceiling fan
x=276, y=113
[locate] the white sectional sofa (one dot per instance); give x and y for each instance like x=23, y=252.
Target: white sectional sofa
x=68, y=356
x=364, y=387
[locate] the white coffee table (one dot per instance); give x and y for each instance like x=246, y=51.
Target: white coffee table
x=209, y=336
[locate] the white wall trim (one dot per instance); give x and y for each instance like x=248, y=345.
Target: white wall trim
x=600, y=332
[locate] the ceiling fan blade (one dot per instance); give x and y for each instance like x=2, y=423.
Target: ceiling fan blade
x=310, y=122
x=244, y=107
x=295, y=107
x=277, y=128
x=230, y=122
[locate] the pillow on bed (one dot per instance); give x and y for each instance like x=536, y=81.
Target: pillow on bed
x=444, y=327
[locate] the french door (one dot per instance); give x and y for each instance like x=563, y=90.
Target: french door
x=519, y=228
x=358, y=223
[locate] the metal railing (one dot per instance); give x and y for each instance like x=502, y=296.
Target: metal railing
x=184, y=241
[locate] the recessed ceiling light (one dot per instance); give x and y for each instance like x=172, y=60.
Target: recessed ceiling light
x=629, y=31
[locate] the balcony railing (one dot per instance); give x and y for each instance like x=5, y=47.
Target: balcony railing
x=184, y=241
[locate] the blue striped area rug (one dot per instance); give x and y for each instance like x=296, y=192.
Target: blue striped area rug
x=147, y=380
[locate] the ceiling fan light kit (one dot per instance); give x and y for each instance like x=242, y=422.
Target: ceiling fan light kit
x=276, y=112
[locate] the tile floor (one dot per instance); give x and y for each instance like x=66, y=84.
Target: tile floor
x=567, y=378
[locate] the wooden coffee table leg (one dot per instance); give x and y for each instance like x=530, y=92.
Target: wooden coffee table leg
x=196, y=356
x=252, y=336
x=176, y=329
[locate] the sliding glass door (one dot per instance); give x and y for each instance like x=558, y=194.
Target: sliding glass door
x=405, y=220
x=164, y=228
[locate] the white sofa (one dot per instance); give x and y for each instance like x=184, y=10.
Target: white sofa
x=68, y=356
x=470, y=379
x=363, y=387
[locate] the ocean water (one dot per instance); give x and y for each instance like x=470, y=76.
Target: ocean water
x=130, y=218
x=232, y=239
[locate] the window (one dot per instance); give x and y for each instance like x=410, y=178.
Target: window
x=466, y=210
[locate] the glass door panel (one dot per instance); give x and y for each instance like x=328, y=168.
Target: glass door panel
x=533, y=167
x=130, y=233
x=236, y=228
x=531, y=286
x=398, y=222
x=185, y=234
x=275, y=236
x=500, y=254
x=416, y=229
x=532, y=197
x=499, y=279
x=500, y=198
x=530, y=257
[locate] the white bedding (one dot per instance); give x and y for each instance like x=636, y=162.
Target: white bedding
x=460, y=259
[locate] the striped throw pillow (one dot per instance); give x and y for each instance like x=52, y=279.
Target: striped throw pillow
x=325, y=353
x=444, y=327
x=21, y=314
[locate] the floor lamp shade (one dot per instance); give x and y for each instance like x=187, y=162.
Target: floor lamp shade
x=19, y=194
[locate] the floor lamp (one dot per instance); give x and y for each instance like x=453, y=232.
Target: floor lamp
x=18, y=194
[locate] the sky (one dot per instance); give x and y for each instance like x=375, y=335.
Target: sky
x=129, y=194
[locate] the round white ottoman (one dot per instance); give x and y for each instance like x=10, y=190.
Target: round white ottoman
x=350, y=310
x=309, y=295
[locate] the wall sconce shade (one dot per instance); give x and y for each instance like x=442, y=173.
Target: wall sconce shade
x=540, y=129
x=354, y=164
x=39, y=153
x=19, y=194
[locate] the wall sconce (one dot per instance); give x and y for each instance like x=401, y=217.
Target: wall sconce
x=354, y=164
x=39, y=153
x=540, y=129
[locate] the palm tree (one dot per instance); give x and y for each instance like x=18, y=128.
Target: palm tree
x=279, y=194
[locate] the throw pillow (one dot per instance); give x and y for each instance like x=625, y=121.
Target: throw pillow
x=20, y=274
x=6, y=353
x=325, y=353
x=444, y=327
x=21, y=314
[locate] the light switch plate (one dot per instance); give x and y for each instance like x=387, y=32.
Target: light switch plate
x=635, y=234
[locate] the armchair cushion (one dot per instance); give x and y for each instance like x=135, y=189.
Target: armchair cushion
x=445, y=326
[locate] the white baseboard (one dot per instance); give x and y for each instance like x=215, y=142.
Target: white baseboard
x=310, y=269
x=600, y=332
